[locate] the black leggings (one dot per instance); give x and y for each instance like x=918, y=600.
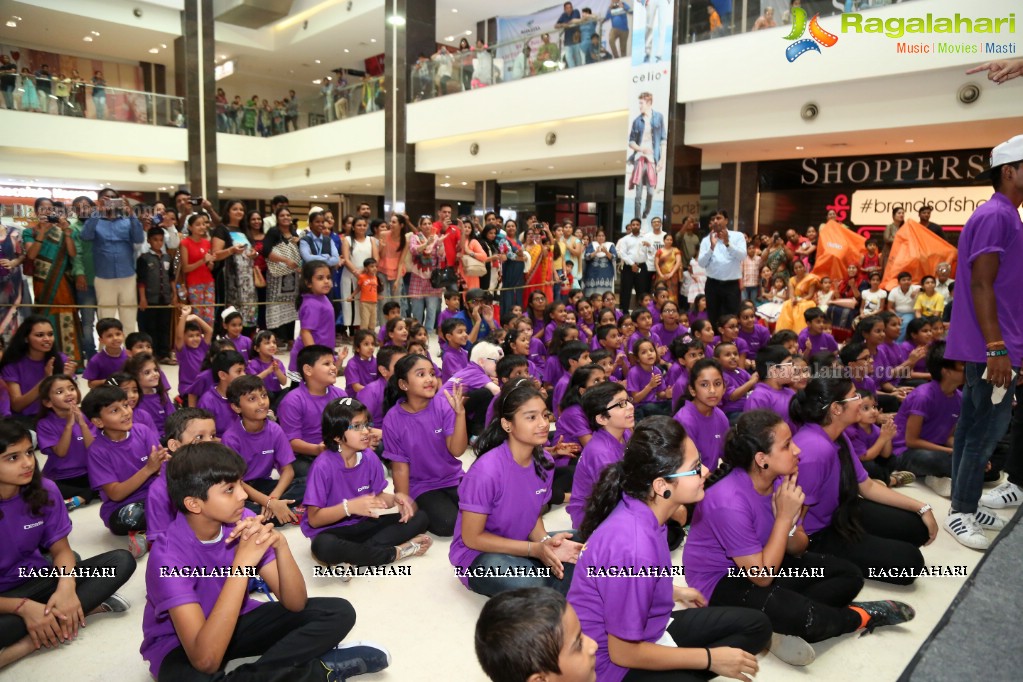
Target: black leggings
x=91, y=591
x=880, y=468
x=78, y=486
x=441, y=506
x=301, y=466
x=814, y=608
x=891, y=543
x=477, y=401
x=710, y=627
x=562, y=482
x=288, y=644
x=369, y=542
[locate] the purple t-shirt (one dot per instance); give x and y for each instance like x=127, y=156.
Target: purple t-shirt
x=472, y=377
x=330, y=482
x=940, y=413
x=160, y=511
x=263, y=451
x=680, y=387
x=509, y=494
x=756, y=339
x=181, y=549
x=995, y=227
x=548, y=332
x=420, y=440
x=223, y=416
x=242, y=344
x=560, y=388
x=602, y=450
x=907, y=348
x=316, y=315
x=637, y=336
x=257, y=366
x=300, y=413
x=638, y=378
x=49, y=430
x=731, y=520
x=139, y=416
x=861, y=440
x=819, y=475
x=443, y=317
x=668, y=335
x=764, y=397
x=453, y=360
x=741, y=346
x=889, y=356
x=103, y=366
x=25, y=536
x=572, y=424
x=553, y=371
x=537, y=351
x=372, y=396
x=27, y=374
x=189, y=366
x=707, y=433
x=155, y=408
x=360, y=370
x=819, y=343
x=734, y=378
x=633, y=609
x=111, y=462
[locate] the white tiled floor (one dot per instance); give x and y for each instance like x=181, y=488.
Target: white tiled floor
x=427, y=619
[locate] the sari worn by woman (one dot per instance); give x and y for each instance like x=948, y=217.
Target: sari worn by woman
x=540, y=275
x=778, y=261
x=240, y=281
x=54, y=289
x=804, y=297
x=669, y=270
x=11, y=280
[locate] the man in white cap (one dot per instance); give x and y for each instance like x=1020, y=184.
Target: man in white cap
x=987, y=336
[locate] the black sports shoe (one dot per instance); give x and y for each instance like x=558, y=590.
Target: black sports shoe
x=885, y=612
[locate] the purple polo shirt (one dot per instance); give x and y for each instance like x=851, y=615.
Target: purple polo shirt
x=49, y=431
x=560, y=388
x=242, y=344
x=189, y=366
x=940, y=414
x=452, y=360
x=755, y=339
x=680, y=386
x=668, y=335
x=27, y=374
x=818, y=342
x=637, y=336
x=223, y=415
x=257, y=366
x=111, y=462
x=708, y=433
x=263, y=451
x=153, y=406
x=731, y=520
x=633, y=609
x=180, y=548
x=25, y=536
x=140, y=416
x=537, y=351
x=921, y=364
x=819, y=475
x=995, y=227
x=103, y=366
x=360, y=370
x=602, y=450
x=764, y=397
x=734, y=378
x=420, y=440
x=300, y=413
x=330, y=483
x=316, y=315
x=508, y=494
x=861, y=440
x=637, y=380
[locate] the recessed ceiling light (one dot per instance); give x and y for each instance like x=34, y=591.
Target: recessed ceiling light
x=493, y=172
x=223, y=56
x=799, y=149
x=95, y=33
x=163, y=45
x=346, y=50
x=445, y=184
x=220, y=191
x=396, y=20
x=464, y=184
x=372, y=40
x=87, y=39
x=12, y=24
x=152, y=50
x=468, y=33
x=316, y=61
x=314, y=196
x=550, y=167
x=449, y=39
x=317, y=81
x=447, y=177
x=16, y=18
x=368, y=185
x=454, y=10
x=910, y=141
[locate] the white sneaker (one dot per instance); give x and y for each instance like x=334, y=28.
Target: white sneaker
x=965, y=529
x=1006, y=495
x=939, y=484
x=792, y=650
x=988, y=519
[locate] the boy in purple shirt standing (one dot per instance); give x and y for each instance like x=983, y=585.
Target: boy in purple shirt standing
x=227, y=366
x=456, y=335
x=192, y=342
x=111, y=358
x=813, y=339
x=198, y=614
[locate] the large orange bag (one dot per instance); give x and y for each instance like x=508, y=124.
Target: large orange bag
x=837, y=247
x=918, y=251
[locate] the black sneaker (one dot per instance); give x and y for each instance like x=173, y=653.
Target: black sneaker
x=349, y=659
x=885, y=612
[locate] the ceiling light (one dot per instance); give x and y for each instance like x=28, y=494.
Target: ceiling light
x=493, y=172
x=468, y=33
x=372, y=40
x=223, y=56
x=16, y=18
x=910, y=141
x=317, y=81
x=445, y=184
x=220, y=191
x=368, y=185
x=550, y=167
x=152, y=50
x=12, y=24
x=314, y=196
x=396, y=20
x=799, y=149
x=464, y=184
x=449, y=39
x=95, y=33
x=163, y=45
x=454, y=11
x=87, y=39
x=346, y=50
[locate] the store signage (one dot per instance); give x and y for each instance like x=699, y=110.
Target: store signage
x=956, y=168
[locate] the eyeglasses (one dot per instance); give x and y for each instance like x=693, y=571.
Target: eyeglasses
x=358, y=428
x=849, y=400
x=620, y=404
x=695, y=471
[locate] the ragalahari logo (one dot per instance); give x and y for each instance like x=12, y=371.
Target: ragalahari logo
x=818, y=35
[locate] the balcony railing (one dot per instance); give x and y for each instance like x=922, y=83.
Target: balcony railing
x=81, y=99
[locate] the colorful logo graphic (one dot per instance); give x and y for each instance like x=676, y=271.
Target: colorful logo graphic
x=818, y=35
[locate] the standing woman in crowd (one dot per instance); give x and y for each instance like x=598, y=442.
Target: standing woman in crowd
x=778, y=256
x=470, y=246
x=513, y=270
x=427, y=252
x=898, y=219
x=12, y=255
x=542, y=250
x=283, y=265
x=354, y=252
x=197, y=266
x=488, y=240
x=232, y=268
x=253, y=223
x=599, y=271
x=393, y=239
x=633, y=620
x=668, y=263
x=49, y=245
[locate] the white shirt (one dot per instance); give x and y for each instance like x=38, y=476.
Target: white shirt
x=724, y=263
x=903, y=302
x=631, y=250
x=873, y=302
x=651, y=242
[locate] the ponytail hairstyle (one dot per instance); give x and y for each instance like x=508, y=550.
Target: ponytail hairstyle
x=305, y=282
x=655, y=450
x=393, y=393
x=595, y=401
x=33, y=492
x=134, y=367
x=510, y=400
x=812, y=405
x=580, y=377
x=863, y=328
x=752, y=433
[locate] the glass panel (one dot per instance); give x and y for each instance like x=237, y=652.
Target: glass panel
x=81, y=99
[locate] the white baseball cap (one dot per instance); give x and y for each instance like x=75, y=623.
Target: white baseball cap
x=1010, y=151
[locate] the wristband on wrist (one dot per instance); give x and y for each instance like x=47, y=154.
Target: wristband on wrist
x=529, y=553
x=924, y=509
x=996, y=344
x=544, y=539
x=997, y=353
x=708, y=658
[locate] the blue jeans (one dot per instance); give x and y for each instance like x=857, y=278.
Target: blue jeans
x=906, y=319
x=574, y=55
x=981, y=425
x=87, y=297
x=491, y=586
x=392, y=289
x=9, y=96
x=749, y=293
x=425, y=310
x=99, y=103
x=926, y=462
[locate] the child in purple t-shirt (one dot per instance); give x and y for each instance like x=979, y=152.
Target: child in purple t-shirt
x=390, y=310
x=130, y=386
x=265, y=365
x=705, y=422
x=687, y=352
x=64, y=434
x=455, y=357
x=813, y=339
x=35, y=526
x=30, y=357
x=111, y=357
x=774, y=369
x=300, y=411
x=871, y=440
x=728, y=329
x=215, y=531
x=372, y=395
x=123, y=460
x=153, y=400
x=192, y=342
x=738, y=382
x=315, y=312
x=609, y=338
x=424, y=437
x=553, y=369
x=572, y=355
x=140, y=342
x=645, y=382
x=227, y=366
x=233, y=326
x=346, y=506
x=362, y=368
x=453, y=303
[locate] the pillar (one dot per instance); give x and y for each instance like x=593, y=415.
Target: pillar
x=195, y=80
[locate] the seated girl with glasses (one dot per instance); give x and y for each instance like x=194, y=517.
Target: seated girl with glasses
x=747, y=546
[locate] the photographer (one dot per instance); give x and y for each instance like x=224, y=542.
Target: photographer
x=50, y=246
x=114, y=230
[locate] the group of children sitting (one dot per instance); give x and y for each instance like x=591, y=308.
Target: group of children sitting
x=644, y=405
